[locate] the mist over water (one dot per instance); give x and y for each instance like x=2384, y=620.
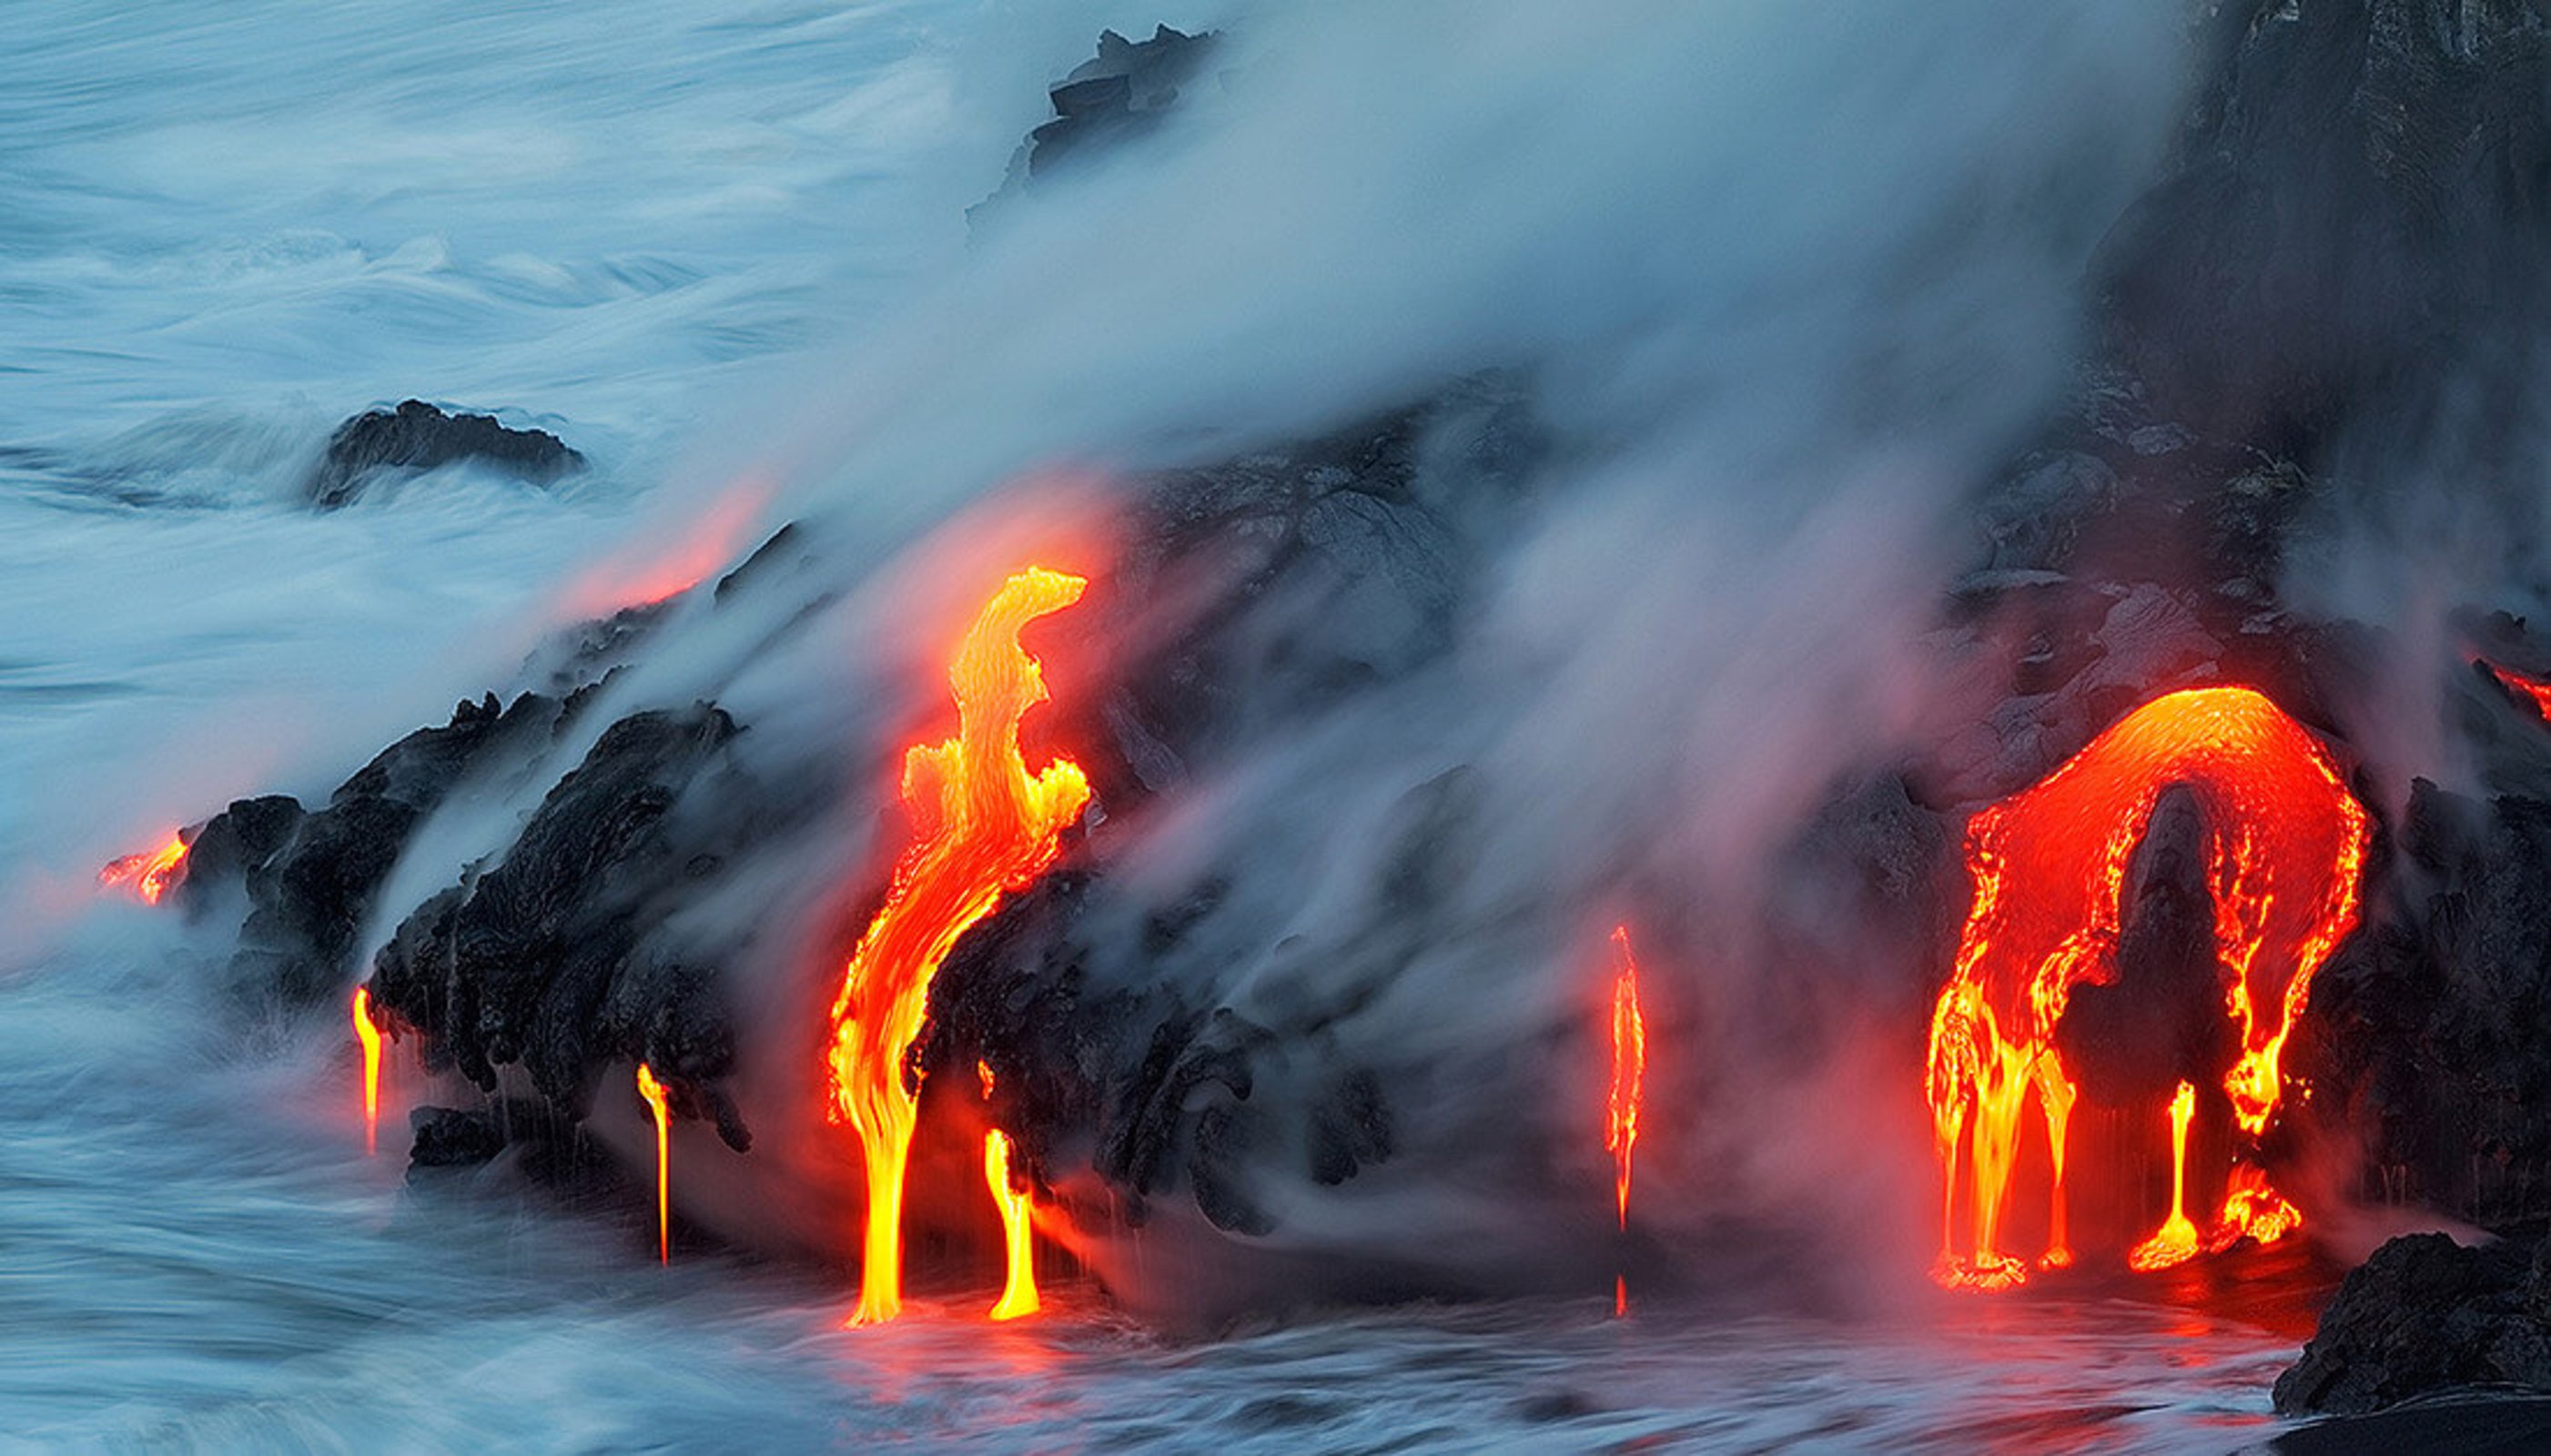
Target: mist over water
x=1782, y=283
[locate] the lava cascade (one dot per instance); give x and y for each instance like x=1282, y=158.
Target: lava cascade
x=1018, y=1285
x=367, y=1034
x=2285, y=853
x=2175, y=1242
x=651, y=1093
x=1629, y=1072
x=150, y=875
x=984, y=826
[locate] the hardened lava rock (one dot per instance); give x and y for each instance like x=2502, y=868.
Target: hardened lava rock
x=417, y=437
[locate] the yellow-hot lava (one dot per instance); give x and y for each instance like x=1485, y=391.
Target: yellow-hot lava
x=983, y=826
x=653, y=1093
x=2175, y=1242
x=2284, y=851
x=1018, y=1285
x=368, y=1035
x=150, y=875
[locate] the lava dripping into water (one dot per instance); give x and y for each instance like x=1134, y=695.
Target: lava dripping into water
x=368, y=1035
x=2175, y=1242
x=1629, y=1073
x=984, y=827
x=1018, y=1241
x=651, y=1093
x=2285, y=844
x=150, y=875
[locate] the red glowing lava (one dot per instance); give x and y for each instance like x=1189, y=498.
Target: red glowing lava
x=2531, y=689
x=2284, y=851
x=369, y=1037
x=1629, y=1069
x=150, y=875
x=652, y=1092
x=1621, y=1110
x=984, y=826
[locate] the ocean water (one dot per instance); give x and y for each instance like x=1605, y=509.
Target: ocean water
x=230, y=225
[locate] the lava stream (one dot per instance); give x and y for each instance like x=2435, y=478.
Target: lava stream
x=1018, y=1287
x=1629, y=1069
x=2284, y=846
x=150, y=875
x=370, y=1035
x=2175, y=1242
x=984, y=826
x=2532, y=690
x=654, y=1092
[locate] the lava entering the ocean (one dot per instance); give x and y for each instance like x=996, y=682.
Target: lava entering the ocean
x=1629, y=1069
x=653, y=1093
x=2175, y=1242
x=368, y=1034
x=150, y=875
x=2284, y=846
x=983, y=828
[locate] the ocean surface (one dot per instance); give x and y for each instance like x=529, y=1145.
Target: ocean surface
x=224, y=227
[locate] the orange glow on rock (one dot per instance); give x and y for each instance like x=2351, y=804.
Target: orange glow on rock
x=370, y=1035
x=2175, y=1242
x=652, y=1092
x=1629, y=1070
x=150, y=875
x=1018, y=1287
x=983, y=826
x=2284, y=851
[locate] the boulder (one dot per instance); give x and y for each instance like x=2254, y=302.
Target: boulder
x=418, y=437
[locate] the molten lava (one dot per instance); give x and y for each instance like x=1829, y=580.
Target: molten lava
x=150, y=875
x=983, y=826
x=1629, y=1069
x=2175, y=1242
x=2285, y=853
x=2531, y=689
x=654, y=1092
x=1018, y=1288
x=370, y=1035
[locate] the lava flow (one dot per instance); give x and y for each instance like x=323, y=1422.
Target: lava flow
x=2285, y=854
x=2532, y=690
x=1018, y=1287
x=984, y=826
x=370, y=1035
x=652, y=1092
x=2175, y=1242
x=1629, y=1070
x=150, y=875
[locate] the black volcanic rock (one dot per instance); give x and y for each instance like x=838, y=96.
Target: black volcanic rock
x=1121, y=94
x=417, y=437
x=2421, y=1316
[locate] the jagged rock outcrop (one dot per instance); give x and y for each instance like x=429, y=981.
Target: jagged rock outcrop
x=2426, y=1315
x=418, y=437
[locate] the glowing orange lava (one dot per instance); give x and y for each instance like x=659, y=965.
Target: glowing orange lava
x=370, y=1035
x=2532, y=690
x=2175, y=1242
x=2284, y=851
x=1629, y=1070
x=983, y=828
x=654, y=1092
x=150, y=875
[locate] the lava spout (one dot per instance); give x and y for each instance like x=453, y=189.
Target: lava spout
x=150, y=875
x=2175, y=1242
x=652, y=1092
x=368, y=1034
x=1629, y=1069
x=1018, y=1287
x=2284, y=846
x=984, y=826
